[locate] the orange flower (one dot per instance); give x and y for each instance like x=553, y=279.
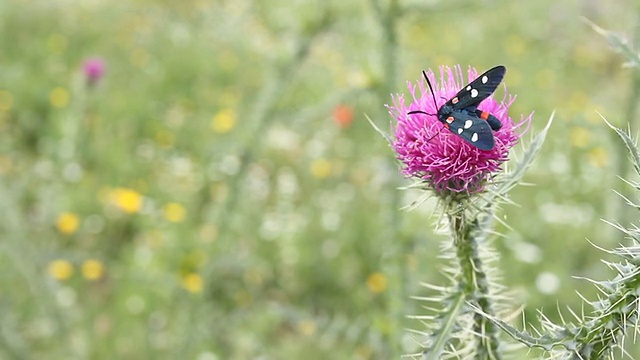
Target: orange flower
x=343, y=116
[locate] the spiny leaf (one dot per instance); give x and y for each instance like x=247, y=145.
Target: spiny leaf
x=545, y=342
x=618, y=43
x=629, y=143
x=382, y=133
x=627, y=200
x=444, y=333
x=511, y=179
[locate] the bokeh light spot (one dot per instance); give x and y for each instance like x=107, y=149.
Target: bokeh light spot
x=598, y=156
x=127, y=200
x=307, y=327
x=547, y=283
x=193, y=283
x=321, y=168
x=174, y=212
x=224, y=121
x=57, y=43
x=92, y=269
x=59, y=97
x=579, y=137
x=377, y=282
x=68, y=223
x=60, y=269
x=6, y=100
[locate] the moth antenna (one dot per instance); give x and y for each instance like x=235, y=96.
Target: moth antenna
x=436, y=134
x=426, y=113
x=434, y=103
x=430, y=88
x=419, y=112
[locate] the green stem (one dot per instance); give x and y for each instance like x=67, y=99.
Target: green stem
x=473, y=281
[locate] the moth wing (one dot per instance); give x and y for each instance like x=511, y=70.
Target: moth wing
x=479, y=89
x=473, y=129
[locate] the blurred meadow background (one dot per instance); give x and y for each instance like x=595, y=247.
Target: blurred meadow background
x=197, y=179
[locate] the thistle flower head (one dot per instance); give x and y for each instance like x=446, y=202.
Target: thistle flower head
x=440, y=158
x=94, y=69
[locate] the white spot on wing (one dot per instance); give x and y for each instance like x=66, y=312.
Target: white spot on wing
x=460, y=130
x=485, y=79
x=474, y=93
x=474, y=137
x=468, y=87
x=467, y=124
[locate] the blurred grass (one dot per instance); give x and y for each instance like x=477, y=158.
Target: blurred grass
x=203, y=105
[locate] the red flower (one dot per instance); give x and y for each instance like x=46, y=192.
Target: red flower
x=343, y=116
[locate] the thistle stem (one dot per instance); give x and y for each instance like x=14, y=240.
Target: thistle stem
x=473, y=280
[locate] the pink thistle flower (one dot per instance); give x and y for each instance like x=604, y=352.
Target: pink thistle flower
x=443, y=160
x=94, y=69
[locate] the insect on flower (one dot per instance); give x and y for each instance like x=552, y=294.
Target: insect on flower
x=461, y=114
x=449, y=162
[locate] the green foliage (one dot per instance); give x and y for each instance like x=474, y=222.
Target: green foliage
x=205, y=200
x=612, y=320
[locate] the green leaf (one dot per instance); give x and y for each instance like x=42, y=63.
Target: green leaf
x=509, y=180
x=382, y=133
x=631, y=144
x=617, y=42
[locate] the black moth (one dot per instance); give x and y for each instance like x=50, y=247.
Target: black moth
x=461, y=115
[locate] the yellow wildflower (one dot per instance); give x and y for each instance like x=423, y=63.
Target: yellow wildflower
x=578, y=101
x=516, y=46
x=174, y=212
x=598, y=157
x=307, y=327
x=193, y=283
x=579, y=137
x=68, y=223
x=127, y=200
x=224, y=121
x=321, y=168
x=165, y=138
x=92, y=269
x=60, y=269
x=377, y=282
x=6, y=100
x=59, y=97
